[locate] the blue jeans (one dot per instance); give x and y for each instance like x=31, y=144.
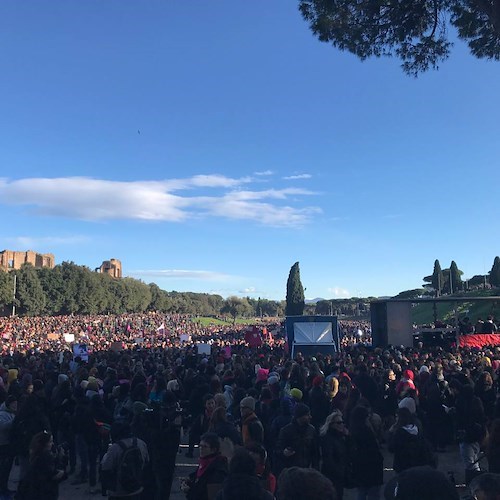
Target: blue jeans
x=87, y=453
x=469, y=453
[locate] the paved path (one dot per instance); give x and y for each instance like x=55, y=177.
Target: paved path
x=448, y=461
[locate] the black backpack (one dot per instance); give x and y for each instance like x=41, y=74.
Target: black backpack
x=129, y=472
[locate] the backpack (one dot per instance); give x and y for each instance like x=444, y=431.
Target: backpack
x=129, y=472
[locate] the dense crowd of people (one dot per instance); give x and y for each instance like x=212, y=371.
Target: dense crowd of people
x=260, y=424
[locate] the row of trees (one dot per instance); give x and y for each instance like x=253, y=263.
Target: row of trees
x=72, y=289
x=449, y=280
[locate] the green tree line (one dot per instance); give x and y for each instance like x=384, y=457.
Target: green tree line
x=72, y=289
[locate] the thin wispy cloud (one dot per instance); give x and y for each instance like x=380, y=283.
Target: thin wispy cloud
x=182, y=274
x=392, y=216
x=264, y=173
x=339, y=292
x=172, y=200
x=297, y=177
x=248, y=290
x=33, y=241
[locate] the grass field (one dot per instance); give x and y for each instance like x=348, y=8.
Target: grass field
x=206, y=321
x=424, y=313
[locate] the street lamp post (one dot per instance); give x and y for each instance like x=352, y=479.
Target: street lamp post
x=14, y=296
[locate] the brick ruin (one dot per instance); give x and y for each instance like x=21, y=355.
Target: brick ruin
x=14, y=260
x=113, y=267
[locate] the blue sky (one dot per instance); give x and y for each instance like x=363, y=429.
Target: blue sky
x=210, y=145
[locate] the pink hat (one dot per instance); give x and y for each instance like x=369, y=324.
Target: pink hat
x=262, y=374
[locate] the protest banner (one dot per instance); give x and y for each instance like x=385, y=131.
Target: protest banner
x=82, y=351
x=203, y=348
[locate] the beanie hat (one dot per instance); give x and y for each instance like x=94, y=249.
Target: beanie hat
x=62, y=378
x=424, y=369
x=12, y=375
x=301, y=410
x=317, y=381
x=262, y=375
x=248, y=402
x=273, y=380
x=172, y=385
x=296, y=394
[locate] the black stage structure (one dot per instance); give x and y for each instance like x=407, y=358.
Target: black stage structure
x=391, y=320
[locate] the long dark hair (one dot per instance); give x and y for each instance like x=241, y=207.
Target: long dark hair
x=38, y=444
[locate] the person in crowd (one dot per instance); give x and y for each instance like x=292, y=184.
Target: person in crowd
x=318, y=402
x=486, y=393
x=242, y=482
x=492, y=447
x=31, y=419
x=123, y=464
x=251, y=427
x=201, y=423
x=263, y=469
x=211, y=472
x=43, y=476
x=298, y=443
x=223, y=428
x=335, y=452
x=419, y=483
x=471, y=430
x=296, y=483
x=486, y=487
x=367, y=459
x=8, y=411
x=409, y=446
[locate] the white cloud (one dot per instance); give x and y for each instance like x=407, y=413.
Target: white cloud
x=96, y=199
x=339, y=292
x=33, y=241
x=297, y=177
x=264, y=173
x=250, y=289
x=182, y=274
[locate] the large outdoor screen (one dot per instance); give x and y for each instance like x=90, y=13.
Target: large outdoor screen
x=313, y=333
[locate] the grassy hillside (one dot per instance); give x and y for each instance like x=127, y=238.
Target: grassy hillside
x=206, y=321
x=424, y=313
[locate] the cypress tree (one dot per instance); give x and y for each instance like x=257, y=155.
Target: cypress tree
x=456, y=278
x=294, y=293
x=437, y=278
x=495, y=272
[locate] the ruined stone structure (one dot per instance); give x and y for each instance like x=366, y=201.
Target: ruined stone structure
x=14, y=260
x=113, y=267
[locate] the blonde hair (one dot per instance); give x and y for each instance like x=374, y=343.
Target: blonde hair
x=328, y=422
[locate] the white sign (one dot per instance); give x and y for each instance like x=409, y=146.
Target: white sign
x=203, y=348
x=185, y=337
x=69, y=337
x=82, y=351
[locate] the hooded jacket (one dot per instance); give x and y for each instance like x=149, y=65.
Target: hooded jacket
x=410, y=449
x=6, y=421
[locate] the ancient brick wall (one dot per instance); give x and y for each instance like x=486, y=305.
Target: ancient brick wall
x=14, y=260
x=113, y=267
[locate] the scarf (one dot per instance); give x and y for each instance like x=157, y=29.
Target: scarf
x=245, y=434
x=205, y=463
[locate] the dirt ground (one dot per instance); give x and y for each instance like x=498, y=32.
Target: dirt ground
x=449, y=461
